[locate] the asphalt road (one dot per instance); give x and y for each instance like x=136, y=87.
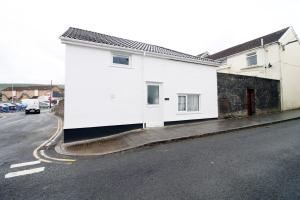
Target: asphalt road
x=258, y=163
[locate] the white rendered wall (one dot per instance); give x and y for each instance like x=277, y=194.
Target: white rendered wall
x=290, y=72
x=237, y=64
x=181, y=77
x=98, y=94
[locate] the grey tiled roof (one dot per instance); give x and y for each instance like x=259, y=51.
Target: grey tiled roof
x=270, y=38
x=89, y=36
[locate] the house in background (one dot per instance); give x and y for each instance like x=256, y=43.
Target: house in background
x=133, y=84
x=26, y=92
x=275, y=56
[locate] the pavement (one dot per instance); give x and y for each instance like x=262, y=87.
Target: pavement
x=256, y=163
x=139, y=138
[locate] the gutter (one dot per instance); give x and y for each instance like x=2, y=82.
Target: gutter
x=65, y=40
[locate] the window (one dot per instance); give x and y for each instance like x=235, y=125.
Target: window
x=153, y=94
x=193, y=102
x=251, y=59
x=181, y=103
x=121, y=59
x=188, y=102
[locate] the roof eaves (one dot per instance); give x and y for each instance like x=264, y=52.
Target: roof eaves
x=250, y=42
x=242, y=52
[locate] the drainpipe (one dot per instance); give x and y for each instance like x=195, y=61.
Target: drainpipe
x=280, y=75
x=265, y=56
x=143, y=90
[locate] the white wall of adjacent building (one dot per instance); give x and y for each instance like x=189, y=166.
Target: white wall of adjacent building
x=99, y=93
x=237, y=64
x=285, y=67
x=290, y=65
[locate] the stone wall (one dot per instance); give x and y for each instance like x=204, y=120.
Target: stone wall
x=59, y=109
x=232, y=91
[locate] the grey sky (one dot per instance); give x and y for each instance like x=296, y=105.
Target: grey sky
x=30, y=50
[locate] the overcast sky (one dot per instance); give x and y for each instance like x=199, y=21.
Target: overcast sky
x=30, y=51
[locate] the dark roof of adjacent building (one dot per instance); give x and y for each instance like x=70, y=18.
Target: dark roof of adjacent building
x=35, y=87
x=89, y=36
x=267, y=39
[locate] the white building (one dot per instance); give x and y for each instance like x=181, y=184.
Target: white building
x=114, y=84
x=274, y=56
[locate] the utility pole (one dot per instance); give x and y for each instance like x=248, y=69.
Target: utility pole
x=12, y=93
x=51, y=94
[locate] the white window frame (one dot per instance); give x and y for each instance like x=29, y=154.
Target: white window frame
x=249, y=55
x=186, y=103
x=121, y=65
x=154, y=104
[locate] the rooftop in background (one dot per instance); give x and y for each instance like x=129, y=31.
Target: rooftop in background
x=29, y=87
x=267, y=39
x=98, y=38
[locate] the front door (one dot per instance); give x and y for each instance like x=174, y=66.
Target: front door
x=154, y=105
x=250, y=101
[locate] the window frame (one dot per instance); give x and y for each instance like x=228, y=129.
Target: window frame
x=185, y=97
x=250, y=55
x=119, y=64
x=186, y=103
x=154, y=104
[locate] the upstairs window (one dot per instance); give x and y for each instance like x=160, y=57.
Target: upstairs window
x=251, y=59
x=121, y=59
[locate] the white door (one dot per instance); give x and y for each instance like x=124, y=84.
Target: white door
x=154, y=105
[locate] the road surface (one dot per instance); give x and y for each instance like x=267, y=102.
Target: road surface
x=258, y=163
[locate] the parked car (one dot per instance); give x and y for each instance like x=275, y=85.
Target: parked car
x=11, y=107
x=33, y=106
x=4, y=108
x=46, y=104
x=20, y=106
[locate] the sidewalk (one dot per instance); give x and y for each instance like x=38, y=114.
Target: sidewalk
x=138, y=138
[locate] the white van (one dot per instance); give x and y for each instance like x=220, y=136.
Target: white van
x=33, y=106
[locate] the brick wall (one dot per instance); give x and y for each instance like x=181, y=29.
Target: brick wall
x=232, y=94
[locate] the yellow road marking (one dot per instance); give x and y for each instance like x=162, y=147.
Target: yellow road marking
x=35, y=152
x=57, y=159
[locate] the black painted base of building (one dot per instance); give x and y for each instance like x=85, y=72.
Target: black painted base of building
x=170, y=123
x=77, y=134
x=233, y=95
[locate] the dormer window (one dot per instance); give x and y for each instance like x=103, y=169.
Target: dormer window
x=251, y=59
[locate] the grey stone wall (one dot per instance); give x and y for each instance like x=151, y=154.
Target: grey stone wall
x=232, y=90
x=59, y=109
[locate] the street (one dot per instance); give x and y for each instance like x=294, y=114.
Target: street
x=257, y=163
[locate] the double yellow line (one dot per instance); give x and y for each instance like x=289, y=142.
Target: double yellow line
x=41, y=155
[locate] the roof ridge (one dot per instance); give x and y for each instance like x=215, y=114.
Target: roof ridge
x=115, y=37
